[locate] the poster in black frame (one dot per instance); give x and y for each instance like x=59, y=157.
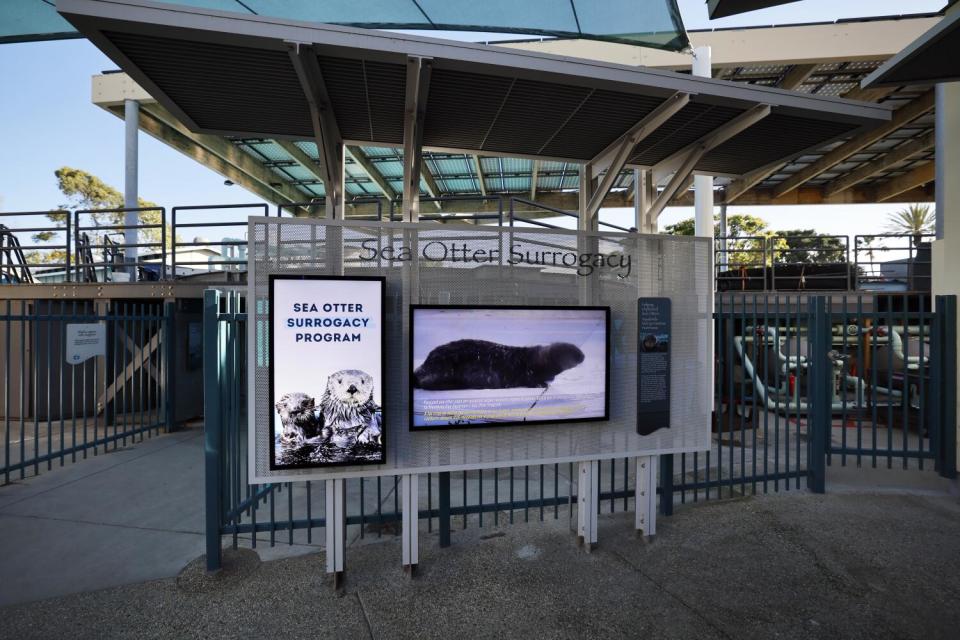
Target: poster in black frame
x=338, y=420
x=537, y=397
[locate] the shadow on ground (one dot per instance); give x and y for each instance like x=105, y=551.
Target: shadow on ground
x=797, y=566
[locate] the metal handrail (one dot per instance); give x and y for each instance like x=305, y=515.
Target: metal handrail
x=138, y=263
x=53, y=228
x=175, y=225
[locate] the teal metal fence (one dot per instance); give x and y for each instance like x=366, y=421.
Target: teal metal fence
x=53, y=411
x=801, y=383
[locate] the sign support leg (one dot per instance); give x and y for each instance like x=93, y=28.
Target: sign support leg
x=410, y=500
x=336, y=529
x=588, y=502
x=646, y=496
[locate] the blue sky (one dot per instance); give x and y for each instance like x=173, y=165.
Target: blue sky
x=49, y=122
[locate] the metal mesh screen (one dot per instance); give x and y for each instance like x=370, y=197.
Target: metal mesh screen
x=435, y=273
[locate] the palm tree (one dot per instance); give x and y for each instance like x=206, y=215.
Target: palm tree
x=916, y=220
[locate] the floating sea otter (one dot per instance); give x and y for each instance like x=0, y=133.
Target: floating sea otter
x=479, y=364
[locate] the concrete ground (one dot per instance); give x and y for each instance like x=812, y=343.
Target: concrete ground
x=798, y=566
x=96, y=549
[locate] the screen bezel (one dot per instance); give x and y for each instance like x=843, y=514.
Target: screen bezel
x=487, y=425
x=272, y=278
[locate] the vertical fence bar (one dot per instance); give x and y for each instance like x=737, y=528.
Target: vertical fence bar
x=443, y=522
x=818, y=393
x=947, y=308
x=666, y=484
x=7, y=324
x=168, y=369
x=212, y=427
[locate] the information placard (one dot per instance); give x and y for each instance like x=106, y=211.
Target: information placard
x=84, y=341
x=653, y=369
x=326, y=371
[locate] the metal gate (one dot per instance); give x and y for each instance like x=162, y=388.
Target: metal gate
x=54, y=412
x=801, y=382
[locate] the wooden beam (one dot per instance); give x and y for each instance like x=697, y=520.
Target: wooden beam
x=796, y=76
x=432, y=187
x=302, y=158
x=887, y=160
x=616, y=154
x=721, y=134
x=868, y=95
x=738, y=187
x=914, y=178
x=481, y=179
x=372, y=172
x=219, y=155
x=749, y=180
x=809, y=195
x=904, y=115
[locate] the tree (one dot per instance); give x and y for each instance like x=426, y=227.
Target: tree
x=916, y=220
x=746, y=238
x=85, y=191
x=806, y=246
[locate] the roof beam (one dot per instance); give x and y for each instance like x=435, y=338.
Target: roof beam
x=904, y=115
x=887, y=160
x=738, y=187
x=481, y=179
x=325, y=129
x=260, y=179
x=796, y=76
x=872, y=94
x=301, y=158
x=720, y=135
x=679, y=179
x=619, y=152
x=918, y=177
x=749, y=180
x=415, y=108
x=255, y=178
x=643, y=128
x=431, y=182
x=371, y=170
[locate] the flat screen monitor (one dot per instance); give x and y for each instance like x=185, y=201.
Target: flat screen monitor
x=475, y=366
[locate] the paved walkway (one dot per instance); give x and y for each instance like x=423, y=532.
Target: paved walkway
x=94, y=549
x=794, y=566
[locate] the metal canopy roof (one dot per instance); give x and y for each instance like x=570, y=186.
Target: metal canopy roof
x=725, y=8
x=236, y=75
x=933, y=57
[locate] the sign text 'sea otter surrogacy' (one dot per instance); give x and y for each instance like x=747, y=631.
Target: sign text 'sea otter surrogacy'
x=326, y=370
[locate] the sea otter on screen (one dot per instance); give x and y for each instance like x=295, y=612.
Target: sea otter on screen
x=479, y=364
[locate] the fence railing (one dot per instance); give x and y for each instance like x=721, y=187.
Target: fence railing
x=800, y=384
x=882, y=262
x=81, y=248
x=55, y=409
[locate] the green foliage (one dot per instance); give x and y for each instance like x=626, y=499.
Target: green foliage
x=85, y=191
x=745, y=237
x=917, y=219
x=806, y=246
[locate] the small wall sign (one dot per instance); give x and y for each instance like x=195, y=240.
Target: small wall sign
x=85, y=341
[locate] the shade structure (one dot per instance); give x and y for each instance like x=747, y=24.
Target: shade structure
x=652, y=23
x=931, y=58
x=238, y=76
x=725, y=8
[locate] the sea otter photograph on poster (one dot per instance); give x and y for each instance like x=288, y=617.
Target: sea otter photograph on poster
x=486, y=366
x=326, y=370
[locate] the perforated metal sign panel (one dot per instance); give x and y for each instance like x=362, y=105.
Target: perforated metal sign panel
x=460, y=264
